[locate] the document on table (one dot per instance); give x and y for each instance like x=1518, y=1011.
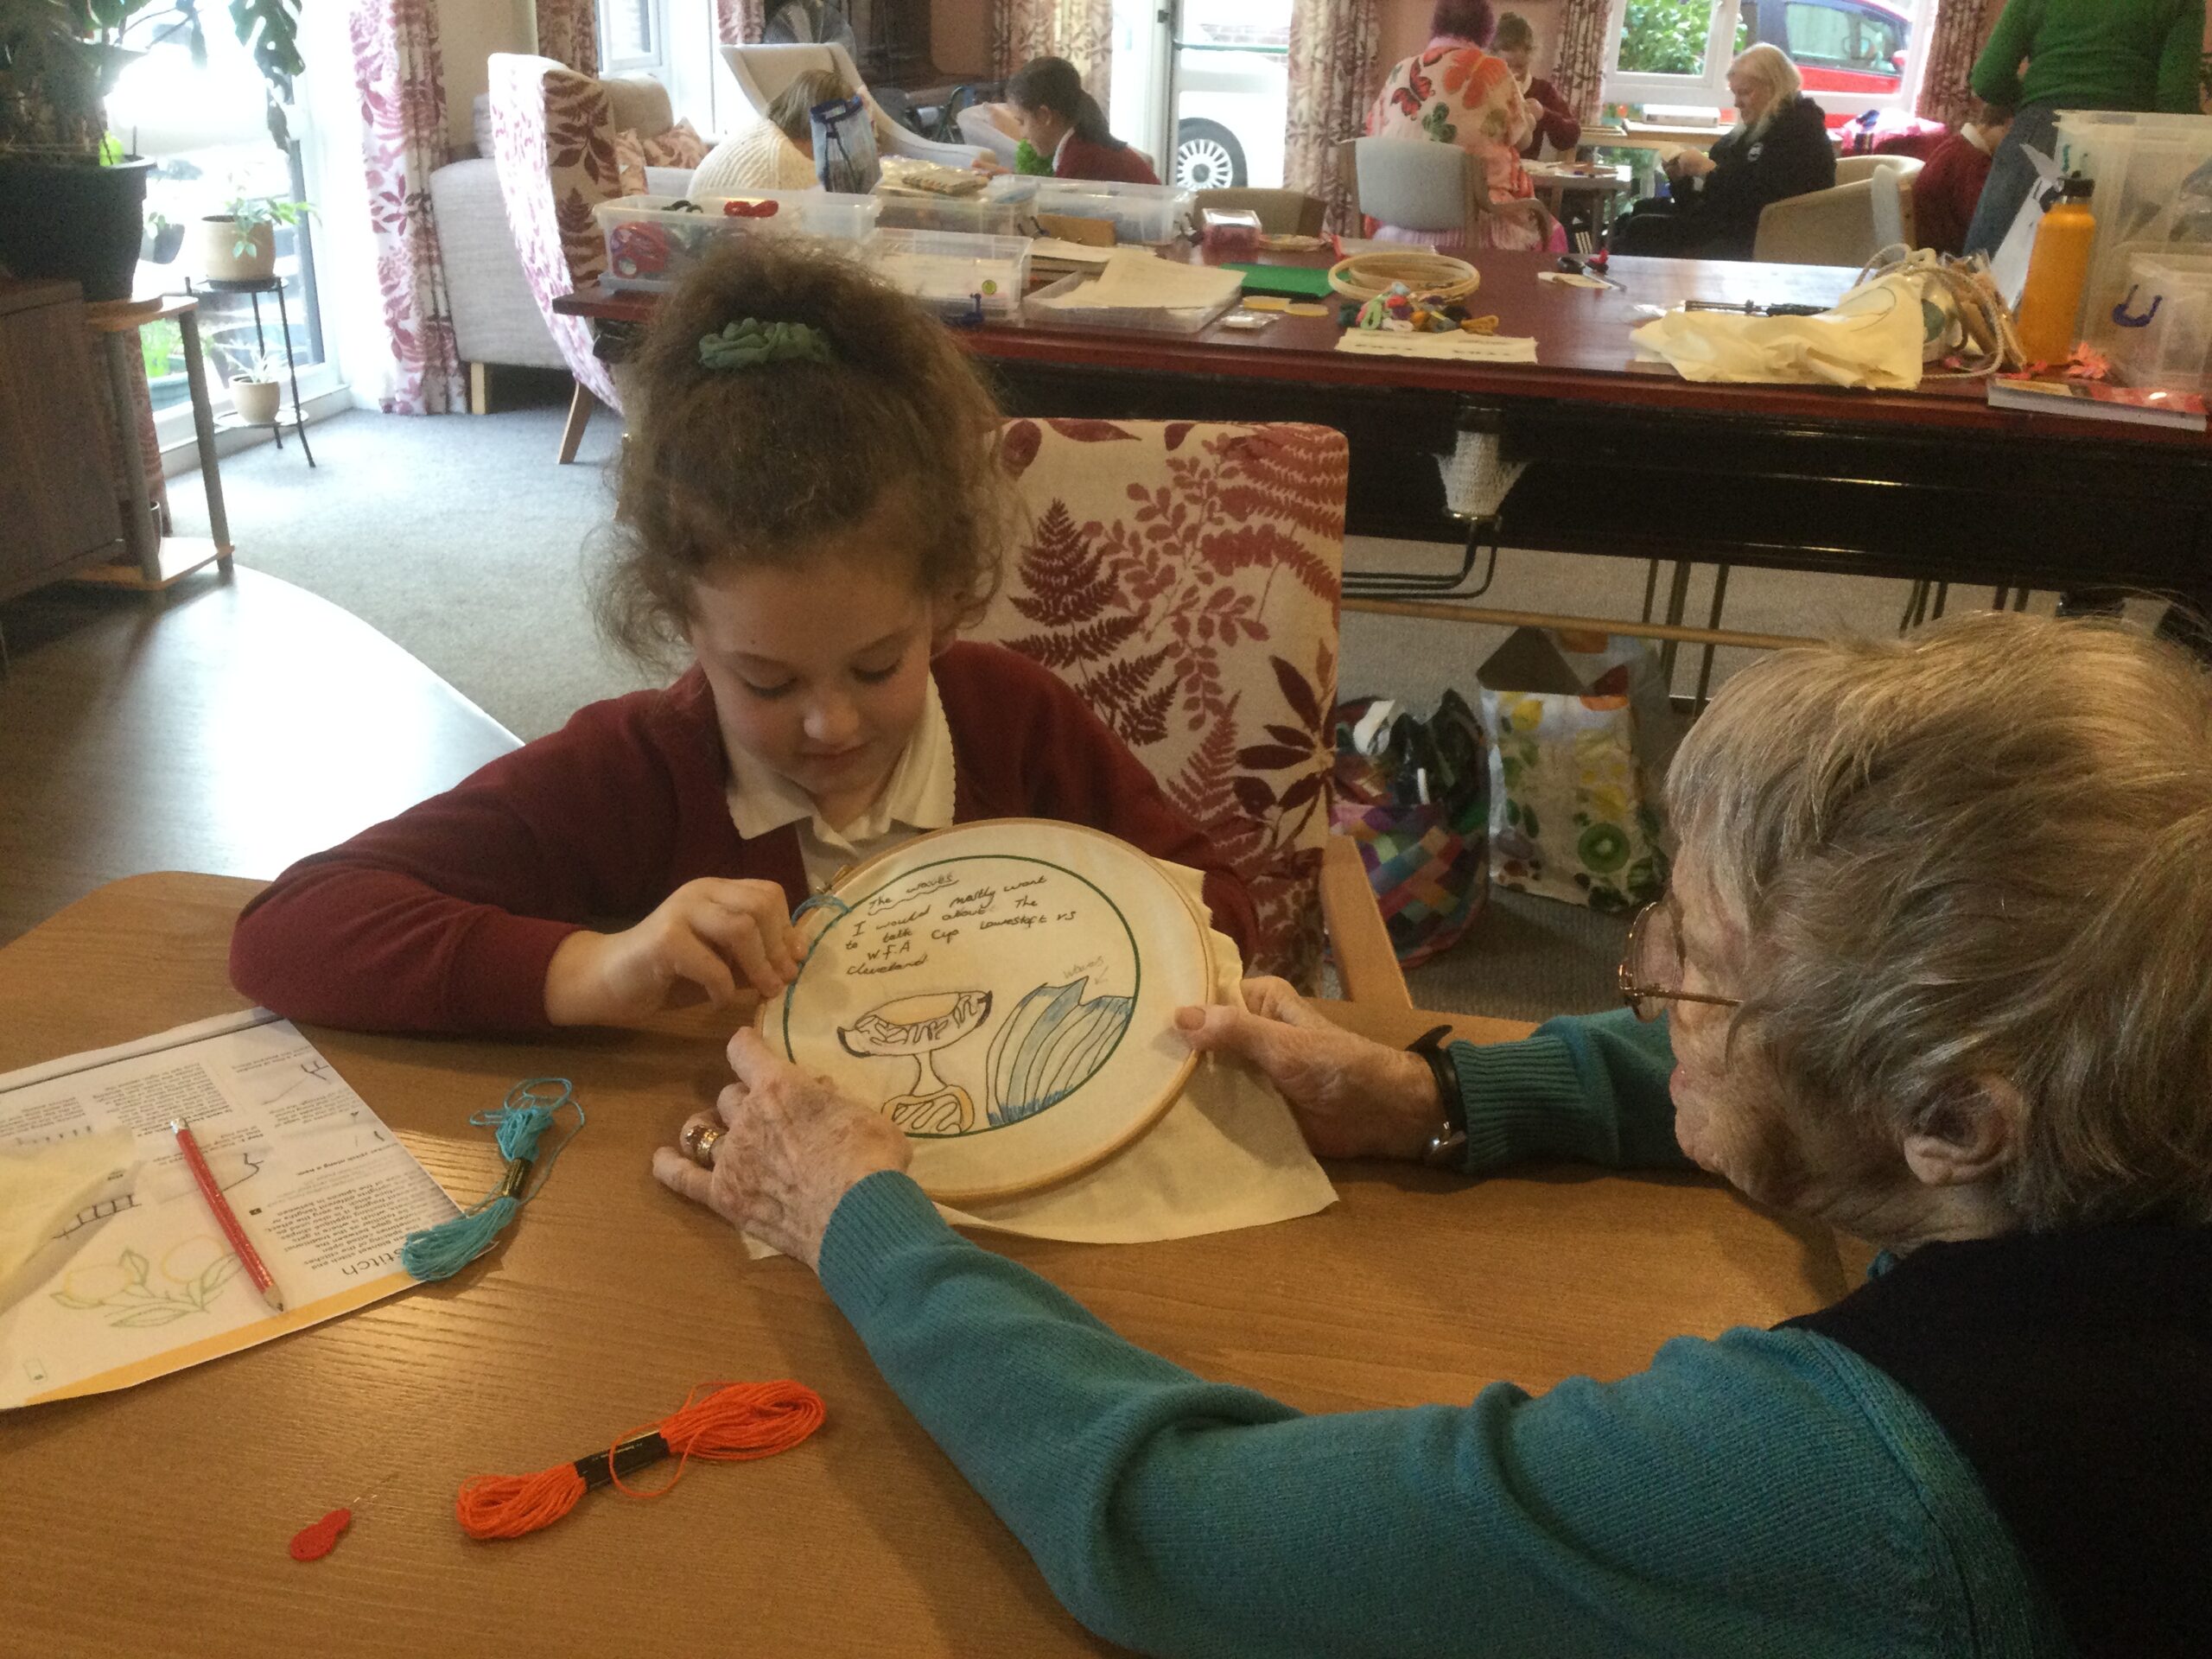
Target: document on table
x=120, y=1271
x=1141, y=281
x=1456, y=347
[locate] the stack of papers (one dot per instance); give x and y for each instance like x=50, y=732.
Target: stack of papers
x=1131, y=279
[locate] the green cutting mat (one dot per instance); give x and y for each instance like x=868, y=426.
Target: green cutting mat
x=1293, y=281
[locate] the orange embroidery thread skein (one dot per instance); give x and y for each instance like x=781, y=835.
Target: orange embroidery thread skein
x=734, y=1423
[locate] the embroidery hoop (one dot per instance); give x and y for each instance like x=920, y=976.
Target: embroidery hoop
x=915, y=1039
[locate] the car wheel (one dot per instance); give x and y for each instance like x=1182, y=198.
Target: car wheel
x=1208, y=156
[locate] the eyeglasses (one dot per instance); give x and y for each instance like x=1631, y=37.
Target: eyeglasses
x=1651, y=968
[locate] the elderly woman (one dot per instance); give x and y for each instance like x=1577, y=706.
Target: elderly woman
x=1453, y=92
x=1932, y=971
x=1778, y=149
x=776, y=154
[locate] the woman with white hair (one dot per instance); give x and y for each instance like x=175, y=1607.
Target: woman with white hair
x=1778, y=149
x=1933, y=971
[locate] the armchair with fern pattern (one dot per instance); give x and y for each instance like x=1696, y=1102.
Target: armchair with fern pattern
x=553, y=141
x=1183, y=578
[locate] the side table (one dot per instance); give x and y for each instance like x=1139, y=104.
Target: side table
x=254, y=288
x=161, y=560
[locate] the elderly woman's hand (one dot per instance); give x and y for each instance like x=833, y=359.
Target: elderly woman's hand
x=791, y=1147
x=1690, y=164
x=1353, y=1098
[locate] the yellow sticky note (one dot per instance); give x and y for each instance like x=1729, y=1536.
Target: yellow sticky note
x=1307, y=308
x=1267, y=303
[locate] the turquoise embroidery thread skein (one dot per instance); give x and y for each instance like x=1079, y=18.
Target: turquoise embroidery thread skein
x=518, y=1125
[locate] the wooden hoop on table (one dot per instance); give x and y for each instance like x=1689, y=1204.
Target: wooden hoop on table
x=1370, y=276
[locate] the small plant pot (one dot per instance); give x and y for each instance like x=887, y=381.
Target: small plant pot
x=221, y=262
x=256, y=401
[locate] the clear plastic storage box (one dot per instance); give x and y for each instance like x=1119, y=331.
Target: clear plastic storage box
x=650, y=242
x=1140, y=213
x=968, y=215
x=2154, y=194
x=951, y=272
x=2162, y=335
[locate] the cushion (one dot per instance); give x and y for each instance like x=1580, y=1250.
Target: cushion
x=639, y=103
x=680, y=146
x=630, y=162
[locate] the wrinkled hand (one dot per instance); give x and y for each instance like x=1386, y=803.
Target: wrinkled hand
x=1691, y=164
x=794, y=1148
x=1353, y=1098
x=707, y=941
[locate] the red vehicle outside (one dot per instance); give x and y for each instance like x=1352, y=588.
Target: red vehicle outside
x=1840, y=47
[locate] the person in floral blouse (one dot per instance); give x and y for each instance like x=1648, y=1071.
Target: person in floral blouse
x=1454, y=92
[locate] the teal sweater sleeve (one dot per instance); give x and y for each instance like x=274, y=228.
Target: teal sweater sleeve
x=1764, y=1493
x=1585, y=1088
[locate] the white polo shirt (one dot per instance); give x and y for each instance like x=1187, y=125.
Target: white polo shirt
x=918, y=796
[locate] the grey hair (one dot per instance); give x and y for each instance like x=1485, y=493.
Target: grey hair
x=1770, y=66
x=1982, y=851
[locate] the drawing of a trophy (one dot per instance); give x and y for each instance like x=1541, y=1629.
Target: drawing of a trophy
x=919, y=1029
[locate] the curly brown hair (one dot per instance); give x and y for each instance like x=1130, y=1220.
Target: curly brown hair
x=723, y=469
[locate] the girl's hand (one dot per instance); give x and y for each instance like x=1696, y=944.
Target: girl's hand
x=793, y=1147
x=708, y=941
x=1353, y=1098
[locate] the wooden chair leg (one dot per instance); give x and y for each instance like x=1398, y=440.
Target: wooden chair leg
x=572, y=435
x=1367, y=966
x=479, y=388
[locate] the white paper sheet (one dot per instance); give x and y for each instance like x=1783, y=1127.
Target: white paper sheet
x=1456, y=347
x=139, y=1281
x=1137, y=279
x=1226, y=1154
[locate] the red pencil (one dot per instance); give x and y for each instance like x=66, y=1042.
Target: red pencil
x=226, y=1218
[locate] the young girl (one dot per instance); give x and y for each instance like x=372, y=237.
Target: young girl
x=1064, y=124
x=810, y=503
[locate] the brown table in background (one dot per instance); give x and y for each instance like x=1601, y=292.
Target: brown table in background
x=1631, y=460
x=156, y=1520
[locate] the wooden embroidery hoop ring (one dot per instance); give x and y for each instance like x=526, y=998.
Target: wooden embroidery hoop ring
x=854, y=876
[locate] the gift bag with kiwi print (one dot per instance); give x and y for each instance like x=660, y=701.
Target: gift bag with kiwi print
x=1579, y=728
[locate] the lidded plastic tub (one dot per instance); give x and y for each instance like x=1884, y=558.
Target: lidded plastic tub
x=952, y=272
x=2153, y=175
x=969, y=215
x=2161, y=331
x=1140, y=213
x=651, y=241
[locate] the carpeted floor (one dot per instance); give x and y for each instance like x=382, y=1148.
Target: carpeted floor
x=462, y=540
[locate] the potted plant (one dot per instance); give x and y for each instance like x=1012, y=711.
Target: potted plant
x=162, y=239
x=239, y=243
x=70, y=199
x=258, y=391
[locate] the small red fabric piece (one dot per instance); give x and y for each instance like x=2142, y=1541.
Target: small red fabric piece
x=313, y=1543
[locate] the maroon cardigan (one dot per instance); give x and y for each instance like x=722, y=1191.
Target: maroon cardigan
x=1555, y=120
x=444, y=918
x=1080, y=159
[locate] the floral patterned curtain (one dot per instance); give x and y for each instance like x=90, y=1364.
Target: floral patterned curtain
x=1580, y=67
x=1953, y=42
x=740, y=22
x=1332, y=73
x=401, y=83
x=1082, y=31
x=568, y=32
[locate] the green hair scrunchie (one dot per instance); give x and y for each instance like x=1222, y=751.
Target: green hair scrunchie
x=750, y=343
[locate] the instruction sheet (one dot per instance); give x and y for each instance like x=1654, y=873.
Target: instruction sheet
x=113, y=1268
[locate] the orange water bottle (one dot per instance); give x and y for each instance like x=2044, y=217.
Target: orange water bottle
x=2057, y=268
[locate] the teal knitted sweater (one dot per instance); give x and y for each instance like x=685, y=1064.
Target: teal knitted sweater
x=2095, y=54
x=1766, y=1493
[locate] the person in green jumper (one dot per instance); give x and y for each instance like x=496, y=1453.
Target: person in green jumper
x=2082, y=54
x=1932, y=971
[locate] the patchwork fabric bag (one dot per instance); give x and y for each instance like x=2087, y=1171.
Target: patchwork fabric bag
x=1415, y=795
x=1578, y=726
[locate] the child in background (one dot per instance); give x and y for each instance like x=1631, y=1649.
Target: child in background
x=811, y=506
x=1950, y=182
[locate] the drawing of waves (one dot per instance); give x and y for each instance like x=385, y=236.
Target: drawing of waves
x=1050, y=1047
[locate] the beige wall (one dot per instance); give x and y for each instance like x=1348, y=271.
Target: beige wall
x=960, y=36
x=469, y=31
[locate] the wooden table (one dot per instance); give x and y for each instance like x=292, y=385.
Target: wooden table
x=1631, y=460
x=1605, y=186
x=156, y=1520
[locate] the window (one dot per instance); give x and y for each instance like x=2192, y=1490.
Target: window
x=1855, y=55
x=205, y=128
x=632, y=37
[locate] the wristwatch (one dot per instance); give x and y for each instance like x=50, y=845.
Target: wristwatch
x=1447, y=1146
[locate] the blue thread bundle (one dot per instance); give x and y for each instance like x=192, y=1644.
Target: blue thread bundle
x=441, y=1251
